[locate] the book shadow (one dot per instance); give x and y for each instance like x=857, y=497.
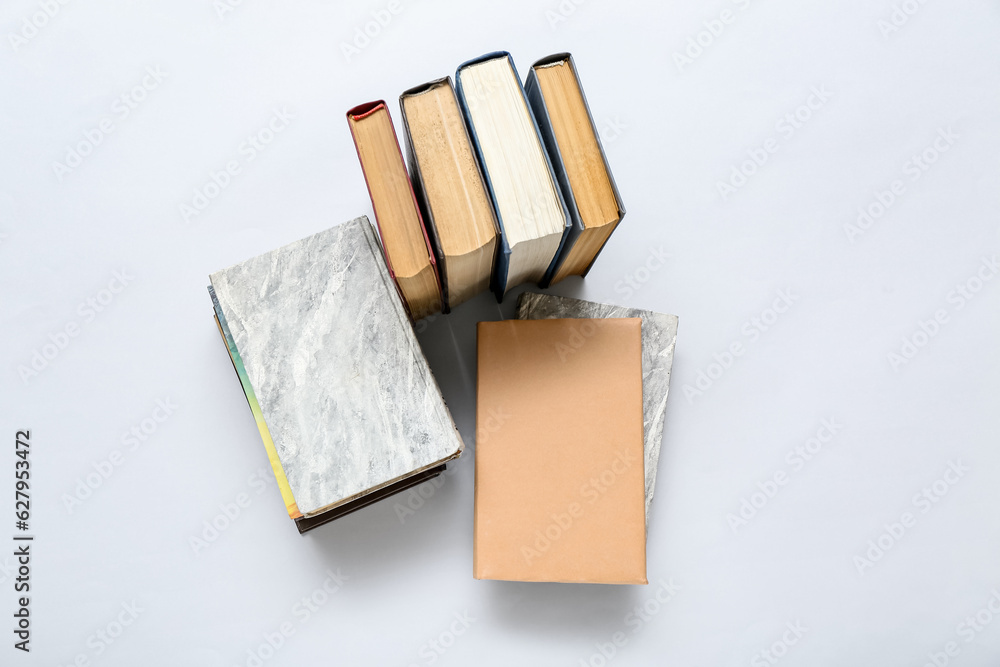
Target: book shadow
x=407, y=531
x=563, y=610
x=411, y=529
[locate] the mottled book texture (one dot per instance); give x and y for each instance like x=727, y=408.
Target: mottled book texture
x=344, y=398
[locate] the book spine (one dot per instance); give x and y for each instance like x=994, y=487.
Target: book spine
x=358, y=113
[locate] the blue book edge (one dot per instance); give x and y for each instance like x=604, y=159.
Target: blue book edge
x=499, y=280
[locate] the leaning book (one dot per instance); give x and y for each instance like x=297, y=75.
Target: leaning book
x=344, y=399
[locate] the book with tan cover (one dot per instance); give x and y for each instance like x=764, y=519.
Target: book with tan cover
x=659, y=336
x=573, y=143
x=559, y=452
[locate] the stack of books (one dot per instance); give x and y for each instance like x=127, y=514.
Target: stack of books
x=506, y=184
x=343, y=396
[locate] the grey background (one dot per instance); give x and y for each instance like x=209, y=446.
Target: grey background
x=672, y=133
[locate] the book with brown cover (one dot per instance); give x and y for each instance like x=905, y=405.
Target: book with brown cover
x=559, y=452
x=450, y=191
x=564, y=140
x=394, y=169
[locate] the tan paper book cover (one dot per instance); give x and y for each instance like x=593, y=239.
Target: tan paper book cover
x=559, y=452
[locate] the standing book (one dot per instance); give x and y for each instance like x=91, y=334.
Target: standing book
x=407, y=249
x=527, y=200
x=450, y=190
x=567, y=128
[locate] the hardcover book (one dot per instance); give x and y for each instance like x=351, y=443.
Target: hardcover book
x=450, y=190
x=529, y=207
x=559, y=454
x=344, y=399
x=408, y=252
x=567, y=128
x=659, y=336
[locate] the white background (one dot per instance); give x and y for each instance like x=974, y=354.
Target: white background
x=674, y=131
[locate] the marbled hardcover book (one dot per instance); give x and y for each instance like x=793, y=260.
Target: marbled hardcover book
x=659, y=334
x=344, y=398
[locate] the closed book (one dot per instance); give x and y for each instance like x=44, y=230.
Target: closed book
x=528, y=202
x=342, y=394
x=659, y=337
x=407, y=249
x=449, y=186
x=559, y=459
x=580, y=165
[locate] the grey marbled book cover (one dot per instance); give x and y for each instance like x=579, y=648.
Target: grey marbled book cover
x=659, y=335
x=345, y=390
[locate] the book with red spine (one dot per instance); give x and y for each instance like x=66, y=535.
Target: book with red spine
x=406, y=245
